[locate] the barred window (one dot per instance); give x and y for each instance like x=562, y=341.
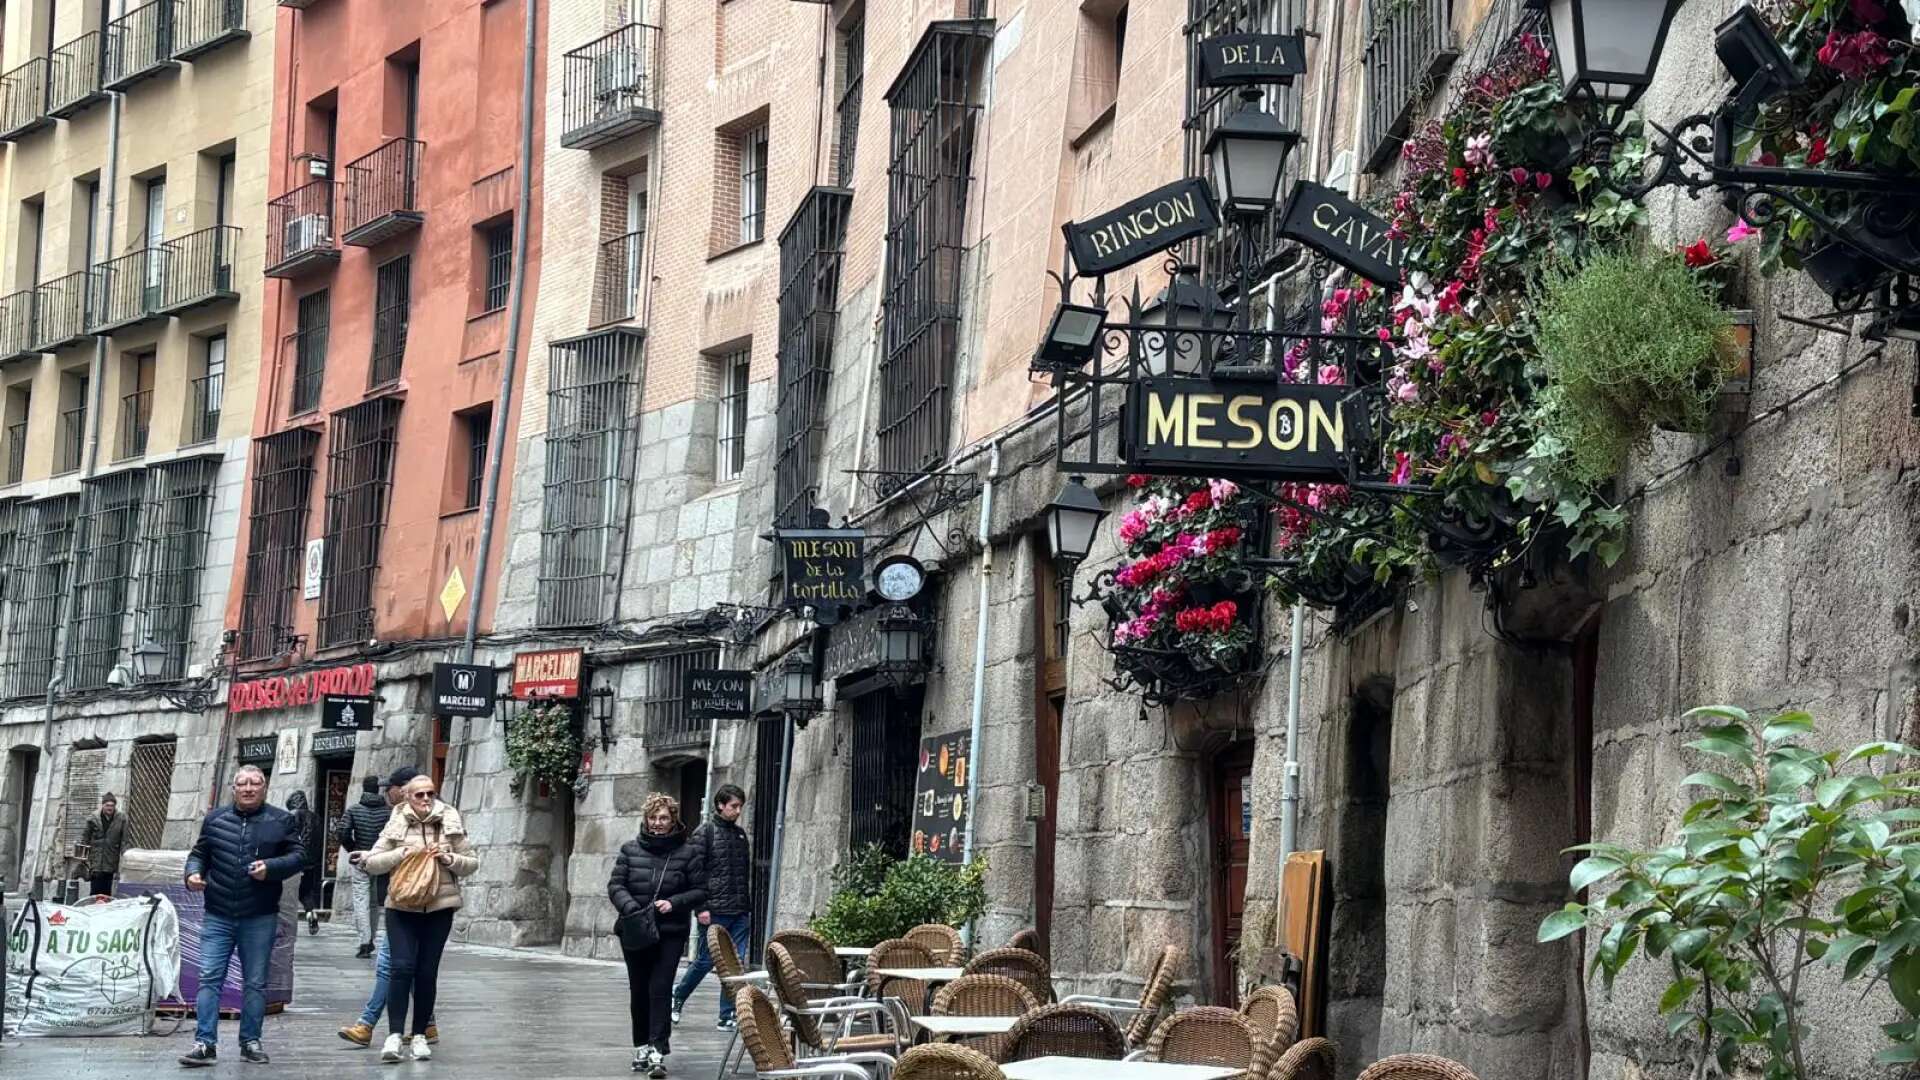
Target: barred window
x=499, y=266
x=735, y=375
x=393, y=289
x=591, y=416
x=811, y=251
x=478, y=425
x=179, y=509
x=310, y=351
x=36, y=582
x=359, y=480
x=753, y=184
x=853, y=71
x=276, y=539
x=663, y=706
x=107, y=537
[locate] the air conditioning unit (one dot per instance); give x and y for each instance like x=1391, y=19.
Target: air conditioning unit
x=616, y=73
x=307, y=232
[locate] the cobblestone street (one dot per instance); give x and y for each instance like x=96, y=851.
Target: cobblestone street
x=502, y=1014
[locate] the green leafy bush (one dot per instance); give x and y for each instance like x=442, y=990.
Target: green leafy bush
x=541, y=744
x=877, y=897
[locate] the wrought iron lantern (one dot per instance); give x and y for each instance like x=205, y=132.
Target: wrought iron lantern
x=902, y=639
x=1185, y=304
x=1607, y=49
x=1072, y=518
x=603, y=716
x=799, y=686
x=1248, y=156
x=1073, y=338
x=149, y=660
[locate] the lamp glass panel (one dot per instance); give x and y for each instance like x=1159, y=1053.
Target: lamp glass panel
x=1074, y=532
x=1248, y=170
x=1561, y=14
x=1623, y=41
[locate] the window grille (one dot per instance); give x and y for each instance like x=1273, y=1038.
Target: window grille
x=934, y=114
x=479, y=437
x=663, y=706
x=36, y=582
x=205, y=394
x=359, y=480
x=393, y=290
x=769, y=754
x=149, y=788
x=179, y=509
x=16, y=451
x=276, y=540
x=753, y=184
x=591, y=416
x=85, y=764
x=618, y=283
x=853, y=70
x=1409, y=46
x=73, y=438
x=886, y=758
x=107, y=537
x=309, y=343
x=811, y=252
x=499, y=264
x=736, y=371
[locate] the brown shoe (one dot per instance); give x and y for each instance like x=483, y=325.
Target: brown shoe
x=357, y=1034
x=433, y=1034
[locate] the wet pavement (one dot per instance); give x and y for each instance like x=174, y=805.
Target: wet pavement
x=526, y=1014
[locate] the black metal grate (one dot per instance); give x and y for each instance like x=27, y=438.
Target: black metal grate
x=769, y=752
x=308, y=345
x=105, y=542
x=479, y=437
x=206, y=23
x=179, y=509
x=276, y=539
x=393, y=298
x=140, y=42
x=136, y=420
x=591, y=417
x=127, y=289
x=199, y=267
x=753, y=184
x=16, y=324
x=617, y=285
x=359, y=481
x=736, y=374
x=812, y=248
x=206, y=393
x=76, y=68
x=383, y=191
x=36, y=582
x=149, y=789
x=16, y=451
x=61, y=311
x=23, y=97
x=663, y=705
x=608, y=88
x=499, y=264
x=1410, y=44
x=300, y=227
x=935, y=115
x=73, y=440
x=884, y=763
x=846, y=113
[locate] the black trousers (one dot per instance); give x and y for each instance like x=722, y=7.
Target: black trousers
x=415, y=940
x=99, y=884
x=650, y=988
x=309, y=891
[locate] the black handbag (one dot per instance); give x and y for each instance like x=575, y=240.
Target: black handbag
x=641, y=930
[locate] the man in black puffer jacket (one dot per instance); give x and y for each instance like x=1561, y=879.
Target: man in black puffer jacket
x=359, y=827
x=245, y=850
x=722, y=843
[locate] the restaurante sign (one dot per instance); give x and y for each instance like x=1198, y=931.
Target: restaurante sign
x=1151, y=223
x=1346, y=232
x=305, y=688
x=1275, y=430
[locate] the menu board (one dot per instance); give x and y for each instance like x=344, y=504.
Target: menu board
x=940, y=796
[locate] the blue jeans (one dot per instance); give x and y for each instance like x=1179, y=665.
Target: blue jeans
x=382, y=972
x=736, y=924
x=219, y=937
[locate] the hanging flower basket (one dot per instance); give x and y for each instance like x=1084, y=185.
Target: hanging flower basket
x=543, y=744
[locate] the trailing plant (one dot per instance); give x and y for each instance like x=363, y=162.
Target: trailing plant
x=877, y=897
x=542, y=744
x=1792, y=858
x=1184, y=586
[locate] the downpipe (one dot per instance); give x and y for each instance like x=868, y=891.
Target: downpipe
x=980, y=661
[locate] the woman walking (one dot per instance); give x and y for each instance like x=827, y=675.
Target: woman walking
x=418, y=925
x=658, y=881
x=305, y=826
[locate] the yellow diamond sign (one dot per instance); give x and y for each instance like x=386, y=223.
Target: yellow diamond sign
x=454, y=592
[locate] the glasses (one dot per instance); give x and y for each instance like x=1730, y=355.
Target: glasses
x=424, y=794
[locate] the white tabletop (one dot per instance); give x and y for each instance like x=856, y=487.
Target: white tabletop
x=851, y=952
x=746, y=977
x=1073, y=1068
x=924, y=974
x=966, y=1025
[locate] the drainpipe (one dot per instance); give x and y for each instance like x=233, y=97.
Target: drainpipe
x=980, y=660
x=509, y=356
x=1290, y=783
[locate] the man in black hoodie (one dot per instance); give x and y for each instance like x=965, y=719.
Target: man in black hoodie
x=359, y=827
x=723, y=847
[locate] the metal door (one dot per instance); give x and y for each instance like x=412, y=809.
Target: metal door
x=886, y=760
x=763, y=808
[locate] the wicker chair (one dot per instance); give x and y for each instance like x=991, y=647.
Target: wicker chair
x=819, y=967
x=1209, y=1035
x=984, y=995
x=733, y=974
x=1023, y=967
x=1145, y=1013
x=898, y=953
x=1416, y=1067
x=1066, y=1031
x=806, y=1012
x=1272, y=1010
x=766, y=1043
x=1308, y=1059
x=944, y=1061
x=941, y=940
x=1029, y=939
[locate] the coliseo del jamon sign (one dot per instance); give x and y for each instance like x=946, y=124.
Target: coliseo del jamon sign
x=304, y=688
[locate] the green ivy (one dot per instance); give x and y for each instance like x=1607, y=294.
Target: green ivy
x=541, y=743
x=877, y=897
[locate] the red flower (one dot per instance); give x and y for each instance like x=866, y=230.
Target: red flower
x=1459, y=178
x=1519, y=175
x=1543, y=180
x=1854, y=56
x=1817, y=152
x=1767, y=158
x=1699, y=253
x=1137, y=480
x=1489, y=418
x=1197, y=501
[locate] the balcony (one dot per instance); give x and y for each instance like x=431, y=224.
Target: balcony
x=206, y=25
x=136, y=419
x=300, y=4
x=23, y=100
x=16, y=452
x=199, y=270
x=610, y=88
x=16, y=326
x=127, y=291
x=383, y=193
x=73, y=435
x=300, y=236
x=60, y=311
x=307, y=349
x=203, y=408
x=75, y=79
x=617, y=284
x=140, y=44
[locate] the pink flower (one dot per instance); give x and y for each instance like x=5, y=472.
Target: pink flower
x=1489, y=418
x=1740, y=231
x=1543, y=180
x=1480, y=151
x=1519, y=175
x=1402, y=467
x=1406, y=393
x=1331, y=375
x=1222, y=490
x=1132, y=527
x=1384, y=334
x=1854, y=56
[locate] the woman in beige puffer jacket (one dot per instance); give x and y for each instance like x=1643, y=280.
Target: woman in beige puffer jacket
x=416, y=938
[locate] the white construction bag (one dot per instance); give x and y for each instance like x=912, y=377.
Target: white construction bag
x=94, y=969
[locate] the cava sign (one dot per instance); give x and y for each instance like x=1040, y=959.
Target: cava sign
x=1346, y=232
x=1149, y=224
x=1284, y=431
x=825, y=568
x=1252, y=59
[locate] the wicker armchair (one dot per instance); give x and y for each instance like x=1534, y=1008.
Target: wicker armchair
x=733, y=974
x=943, y=1061
x=1272, y=1010
x=1145, y=1013
x=1208, y=1035
x=941, y=940
x=1308, y=1059
x=807, y=1012
x=766, y=1043
x=984, y=995
x=1023, y=967
x=819, y=967
x=1416, y=1067
x=1066, y=1031
x=1028, y=939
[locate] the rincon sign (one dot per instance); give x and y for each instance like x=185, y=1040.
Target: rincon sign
x=1251, y=59
x=1285, y=431
x=1149, y=224
x=1346, y=232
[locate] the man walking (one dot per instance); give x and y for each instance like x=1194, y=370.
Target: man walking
x=359, y=827
x=104, y=837
x=244, y=851
x=360, y=1032
x=729, y=875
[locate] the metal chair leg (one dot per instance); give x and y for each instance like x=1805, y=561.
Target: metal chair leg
x=729, y=1064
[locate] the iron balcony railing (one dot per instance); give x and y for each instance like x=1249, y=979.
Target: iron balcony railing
x=76, y=75
x=203, y=407
x=16, y=325
x=618, y=284
x=383, y=193
x=205, y=25
x=73, y=433
x=299, y=3
x=307, y=351
x=300, y=234
x=127, y=290
x=60, y=314
x=23, y=99
x=199, y=269
x=610, y=88
x=140, y=43
x=1410, y=44
x=16, y=451
x=136, y=419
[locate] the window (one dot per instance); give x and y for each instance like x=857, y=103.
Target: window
x=590, y=427
x=753, y=185
x=811, y=250
x=310, y=351
x=735, y=375
x=204, y=394
x=846, y=113
x=72, y=432
x=108, y=535
x=1409, y=47
x=619, y=280
x=401, y=101
x=276, y=540
x=477, y=427
x=36, y=581
x=885, y=759
x=179, y=509
x=149, y=789
x=1098, y=55
x=136, y=405
x=359, y=479
x=496, y=265
x=19, y=408
x=664, y=722
x=223, y=192
x=392, y=298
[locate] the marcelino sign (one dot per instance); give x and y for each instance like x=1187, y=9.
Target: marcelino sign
x=1251, y=59
x=1151, y=223
x=825, y=568
x=306, y=688
x=1289, y=431
x=1346, y=232
x=550, y=673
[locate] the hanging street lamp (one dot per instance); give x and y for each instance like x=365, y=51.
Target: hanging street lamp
x=1606, y=49
x=1247, y=155
x=603, y=716
x=1073, y=517
x=1184, y=305
x=799, y=687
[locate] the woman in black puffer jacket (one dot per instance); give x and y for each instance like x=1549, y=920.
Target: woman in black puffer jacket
x=657, y=869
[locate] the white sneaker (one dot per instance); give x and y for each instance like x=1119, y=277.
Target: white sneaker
x=657, y=1064
x=421, y=1051
x=390, y=1050
x=677, y=1010
x=642, y=1058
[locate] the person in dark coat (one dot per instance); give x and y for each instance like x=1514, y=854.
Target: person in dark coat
x=308, y=825
x=358, y=830
x=105, y=837
x=244, y=851
x=724, y=848
x=656, y=869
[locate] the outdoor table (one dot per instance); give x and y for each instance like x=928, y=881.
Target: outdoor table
x=965, y=1025
x=745, y=977
x=851, y=952
x=922, y=974
x=1074, y=1068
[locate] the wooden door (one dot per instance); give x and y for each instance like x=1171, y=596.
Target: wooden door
x=1232, y=826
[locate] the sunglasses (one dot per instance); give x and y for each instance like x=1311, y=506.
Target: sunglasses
x=424, y=794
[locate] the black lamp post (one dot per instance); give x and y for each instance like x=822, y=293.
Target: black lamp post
x=603, y=716
x=1072, y=519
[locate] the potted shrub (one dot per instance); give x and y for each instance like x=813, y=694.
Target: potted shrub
x=877, y=897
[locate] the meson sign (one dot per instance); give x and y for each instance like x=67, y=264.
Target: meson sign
x=1277, y=431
